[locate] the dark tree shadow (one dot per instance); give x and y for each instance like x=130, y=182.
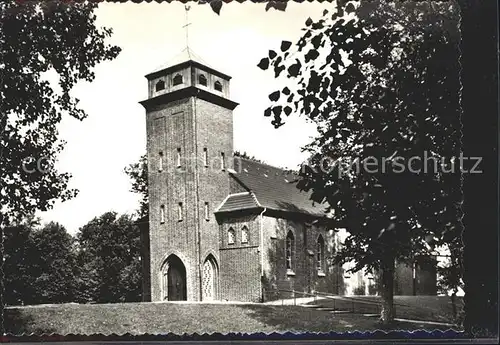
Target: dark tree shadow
x=17, y=322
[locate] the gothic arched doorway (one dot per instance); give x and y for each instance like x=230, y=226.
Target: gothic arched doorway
x=174, y=279
x=210, y=278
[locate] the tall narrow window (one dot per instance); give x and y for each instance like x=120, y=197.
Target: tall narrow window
x=162, y=214
x=207, y=212
x=222, y=161
x=290, y=248
x=230, y=236
x=244, y=234
x=180, y=211
x=320, y=253
x=202, y=80
x=205, y=156
x=218, y=86
x=160, y=161
x=178, y=159
x=177, y=80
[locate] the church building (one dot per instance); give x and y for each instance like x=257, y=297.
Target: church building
x=226, y=228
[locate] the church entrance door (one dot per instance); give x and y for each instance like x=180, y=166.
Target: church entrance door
x=209, y=283
x=176, y=280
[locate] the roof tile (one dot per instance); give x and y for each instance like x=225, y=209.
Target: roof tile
x=275, y=188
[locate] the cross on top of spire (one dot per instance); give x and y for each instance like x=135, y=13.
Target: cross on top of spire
x=187, y=53
x=186, y=26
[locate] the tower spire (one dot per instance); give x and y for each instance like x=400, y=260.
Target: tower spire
x=186, y=26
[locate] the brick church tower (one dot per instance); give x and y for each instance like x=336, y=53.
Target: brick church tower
x=189, y=123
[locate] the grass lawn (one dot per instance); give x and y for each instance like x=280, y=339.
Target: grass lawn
x=426, y=308
x=179, y=318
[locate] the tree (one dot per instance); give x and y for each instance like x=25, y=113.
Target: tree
x=39, y=264
x=110, y=260
x=451, y=275
x=36, y=38
x=138, y=174
x=55, y=267
x=381, y=82
x=216, y=5
x=244, y=155
x=18, y=265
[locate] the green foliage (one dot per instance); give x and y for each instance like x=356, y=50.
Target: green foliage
x=110, y=259
x=450, y=275
x=279, y=5
x=138, y=174
x=39, y=265
x=18, y=265
x=244, y=155
x=397, y=97
x=216, y=5
x=37, y=38
x=55, y=267
x=359, y=290
x=381, y=81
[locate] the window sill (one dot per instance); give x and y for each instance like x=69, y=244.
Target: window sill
x=321, y=274
x=290, y=273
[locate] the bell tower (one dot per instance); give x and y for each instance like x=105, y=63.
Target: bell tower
x=189, y=119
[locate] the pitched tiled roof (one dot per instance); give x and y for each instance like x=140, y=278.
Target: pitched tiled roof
x=186, y=58
x=186, y=54
x=274, y=188
x=237, y=201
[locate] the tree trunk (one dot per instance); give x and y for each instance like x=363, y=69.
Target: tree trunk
x=454, y=304
x=387, y=284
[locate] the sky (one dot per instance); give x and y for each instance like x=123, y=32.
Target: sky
x=151, y=34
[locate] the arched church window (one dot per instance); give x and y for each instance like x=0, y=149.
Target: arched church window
x=244, y=234
x=290, y=250
x=218, y=86
x=177, y=79
x=160, y=85
x=230, y=236
x=202, y=80
x=320, y=253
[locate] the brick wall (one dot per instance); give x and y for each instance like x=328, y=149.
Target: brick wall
x=214, y=128
x=240, y=262
x=425, y=282
x=403, y=279
x=305, y=276
x=168, y=80
x=426, y=277
x=145, y=262
x=185, y=128
x=170, y=127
